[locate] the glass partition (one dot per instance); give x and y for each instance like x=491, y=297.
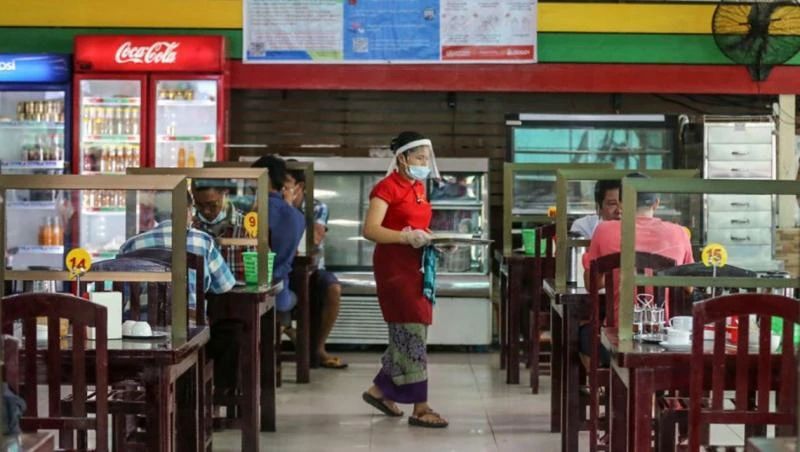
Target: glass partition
x=137, y=196
x=748, y=248
x=570, y=181
x=236, y=189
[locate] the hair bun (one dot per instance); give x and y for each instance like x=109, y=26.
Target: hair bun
x=404, y=138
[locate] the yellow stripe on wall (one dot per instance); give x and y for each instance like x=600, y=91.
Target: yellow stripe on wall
x=625, y=18
x=122, y=13
x=213, y=14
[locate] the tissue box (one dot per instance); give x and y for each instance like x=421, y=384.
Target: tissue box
x=113, y=303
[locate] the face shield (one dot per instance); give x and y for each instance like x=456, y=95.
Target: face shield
x=434, y=170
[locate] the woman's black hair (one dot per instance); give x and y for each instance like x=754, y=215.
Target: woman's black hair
x=403, y=139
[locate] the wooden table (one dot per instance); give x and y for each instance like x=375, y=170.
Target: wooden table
x=638, y=370
x=31, y=442
x=786, y=444
x=253, y=308
x=515, y=271
x=568, y=309
x=160, y=363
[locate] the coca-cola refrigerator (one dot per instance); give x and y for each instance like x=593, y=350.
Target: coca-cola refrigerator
x=156, y=101
x=34, y=139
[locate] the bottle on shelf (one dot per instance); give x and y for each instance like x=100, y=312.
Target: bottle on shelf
x=181, y=157
x=46, y=232
x=105, y=164
x=134, y=120
x=57, y=231
x=209, y=155
x=191, y=160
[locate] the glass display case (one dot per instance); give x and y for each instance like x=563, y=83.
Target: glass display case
x=186, y=123
x=629, y=142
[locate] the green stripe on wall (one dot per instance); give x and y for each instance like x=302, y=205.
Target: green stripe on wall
x=553, y=47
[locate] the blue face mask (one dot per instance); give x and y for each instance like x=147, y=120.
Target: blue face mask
x=221, y=216
x=419, y=172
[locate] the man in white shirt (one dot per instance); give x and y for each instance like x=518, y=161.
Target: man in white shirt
x=608, y=203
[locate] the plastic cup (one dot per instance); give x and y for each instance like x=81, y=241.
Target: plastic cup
x=250, y=260
x=528, y=240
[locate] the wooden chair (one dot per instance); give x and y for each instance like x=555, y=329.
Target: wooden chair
x=81, y=314
x=602, y=269
x=127, y=398
x=544, y=266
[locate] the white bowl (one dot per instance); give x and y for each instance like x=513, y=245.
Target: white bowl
x=141, y=329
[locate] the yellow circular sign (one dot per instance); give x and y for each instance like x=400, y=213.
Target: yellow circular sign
x=251, y=223
x=78, y=261
x=715, y=255
x=688, y=232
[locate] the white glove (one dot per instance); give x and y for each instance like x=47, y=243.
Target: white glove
x=416, y=238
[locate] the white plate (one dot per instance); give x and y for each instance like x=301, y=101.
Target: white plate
x=156, y=336
x=676, y=347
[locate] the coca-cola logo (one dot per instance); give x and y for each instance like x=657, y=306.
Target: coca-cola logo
x=161, y=52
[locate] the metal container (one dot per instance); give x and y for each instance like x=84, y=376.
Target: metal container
x=575, y=270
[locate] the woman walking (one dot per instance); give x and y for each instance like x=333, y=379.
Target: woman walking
x=397, y=221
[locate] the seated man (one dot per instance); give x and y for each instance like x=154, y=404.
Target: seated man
x=652, y=236
x=325, y=288
x=218, y=277
x=286, y=227
x=218, y=217
x=607, y=202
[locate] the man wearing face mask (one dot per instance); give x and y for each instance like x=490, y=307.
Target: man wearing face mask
x=398, y=221
x=217, y=216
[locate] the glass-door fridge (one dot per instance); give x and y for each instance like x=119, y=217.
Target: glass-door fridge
x=460, y=207
x=143, y=100
x=35, y=139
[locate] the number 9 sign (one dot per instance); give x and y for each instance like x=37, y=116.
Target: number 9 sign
x=251, y=224
x=715, y=255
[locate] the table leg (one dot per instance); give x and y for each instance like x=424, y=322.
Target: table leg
x=303, y=351
x=555, y=371
x=570, y=414
x=640, y=400
x=503, y=320
x=160, y=396
x=249, y=368
x=514, y=308
x=268, y=371
x=618, y=396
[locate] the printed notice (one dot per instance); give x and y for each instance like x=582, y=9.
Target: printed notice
x=293, y=30
x=490, y=30
x=387, y=31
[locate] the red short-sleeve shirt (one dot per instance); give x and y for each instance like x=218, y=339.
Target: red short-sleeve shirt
x=397, y=267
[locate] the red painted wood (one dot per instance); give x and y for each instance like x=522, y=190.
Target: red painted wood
x=556, y=78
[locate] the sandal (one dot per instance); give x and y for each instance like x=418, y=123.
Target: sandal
x=380, y=405
x=333, y=362
x=421, y=422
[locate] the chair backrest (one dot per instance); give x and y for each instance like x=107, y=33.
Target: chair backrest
x=11, y=362
x=754, y=374
x=81, y=314
x=679, y=301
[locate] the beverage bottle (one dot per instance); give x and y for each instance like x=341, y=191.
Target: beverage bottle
x=57, y=232
x=116, y=121
x=104, y=162
x=87, y=120
x=135, y=159
x=209, y=155
x=191, y=160
x=98, y=121
x=181, y=157
x=134, y=121
x=47, y=232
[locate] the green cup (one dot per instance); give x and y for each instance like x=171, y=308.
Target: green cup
x=250, y=259
x=528, y=240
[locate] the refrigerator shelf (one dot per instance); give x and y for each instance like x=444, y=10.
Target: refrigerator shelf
x=104, y=173
x=33, y=164
x=103, y=211
x=187, y=139
x=30, y=125
x=39, y=249
x=186, y=103
x=112, y=101
x=31, y=205
x=112, y=139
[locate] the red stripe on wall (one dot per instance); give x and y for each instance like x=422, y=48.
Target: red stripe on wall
x=565, y=78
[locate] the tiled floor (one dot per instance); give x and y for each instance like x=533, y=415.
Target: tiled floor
x=485, y=414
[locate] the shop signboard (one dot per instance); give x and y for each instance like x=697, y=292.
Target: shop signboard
x=152, y=53
x=33, y=68
x=386, y=31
